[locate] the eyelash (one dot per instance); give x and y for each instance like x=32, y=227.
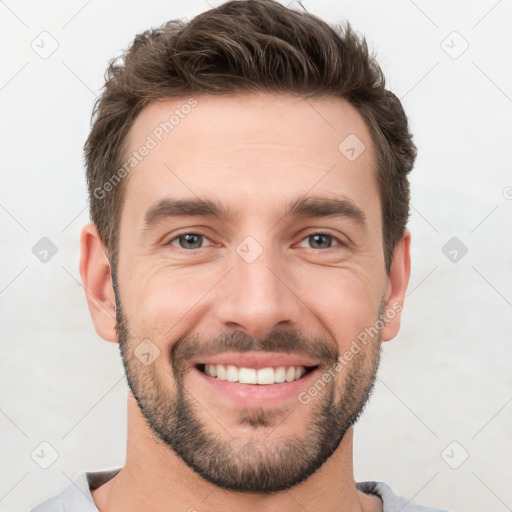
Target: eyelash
x=339, y=243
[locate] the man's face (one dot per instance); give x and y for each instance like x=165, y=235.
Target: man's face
x=266, y=262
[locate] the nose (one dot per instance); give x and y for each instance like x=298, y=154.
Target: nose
x=257, y=296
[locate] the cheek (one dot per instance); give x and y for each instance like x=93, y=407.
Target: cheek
x=163, y=302
x=346, y=306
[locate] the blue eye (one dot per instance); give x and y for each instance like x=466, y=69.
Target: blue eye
x=189, y=241
x=193, y=241
x=320, y=241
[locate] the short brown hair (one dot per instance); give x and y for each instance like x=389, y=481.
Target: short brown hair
x=246, y=46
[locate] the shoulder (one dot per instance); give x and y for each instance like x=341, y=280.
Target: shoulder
x=77, y=497
x=391, y=501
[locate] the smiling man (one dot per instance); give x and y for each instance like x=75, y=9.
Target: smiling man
x=248, y=189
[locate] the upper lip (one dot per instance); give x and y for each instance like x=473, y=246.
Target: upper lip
x=256, y=360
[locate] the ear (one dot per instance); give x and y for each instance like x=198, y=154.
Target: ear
x=398, y=280
x=97, y=282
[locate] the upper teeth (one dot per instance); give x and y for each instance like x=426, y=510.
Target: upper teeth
x=252, y=376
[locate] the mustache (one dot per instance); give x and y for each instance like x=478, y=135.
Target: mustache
x=195, y=346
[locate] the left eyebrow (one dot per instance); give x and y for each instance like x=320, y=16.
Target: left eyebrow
x=326, y=207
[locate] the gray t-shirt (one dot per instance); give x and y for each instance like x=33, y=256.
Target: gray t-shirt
x=77, y=497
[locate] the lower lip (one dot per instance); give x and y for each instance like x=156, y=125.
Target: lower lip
x=256, y=394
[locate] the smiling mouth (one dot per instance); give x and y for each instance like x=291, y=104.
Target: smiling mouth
x=262, y=376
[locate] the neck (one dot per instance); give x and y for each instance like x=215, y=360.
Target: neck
x=154, y=478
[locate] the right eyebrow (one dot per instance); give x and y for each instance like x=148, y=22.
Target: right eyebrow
x=169, y=207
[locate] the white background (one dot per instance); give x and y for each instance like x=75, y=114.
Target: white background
x=446, y=377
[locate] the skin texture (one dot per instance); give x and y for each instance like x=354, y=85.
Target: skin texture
x=252, y=154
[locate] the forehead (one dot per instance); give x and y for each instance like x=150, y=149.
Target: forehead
x=248, y=150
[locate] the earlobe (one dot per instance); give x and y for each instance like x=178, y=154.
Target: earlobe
x=97, y=282
x=398, y=280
